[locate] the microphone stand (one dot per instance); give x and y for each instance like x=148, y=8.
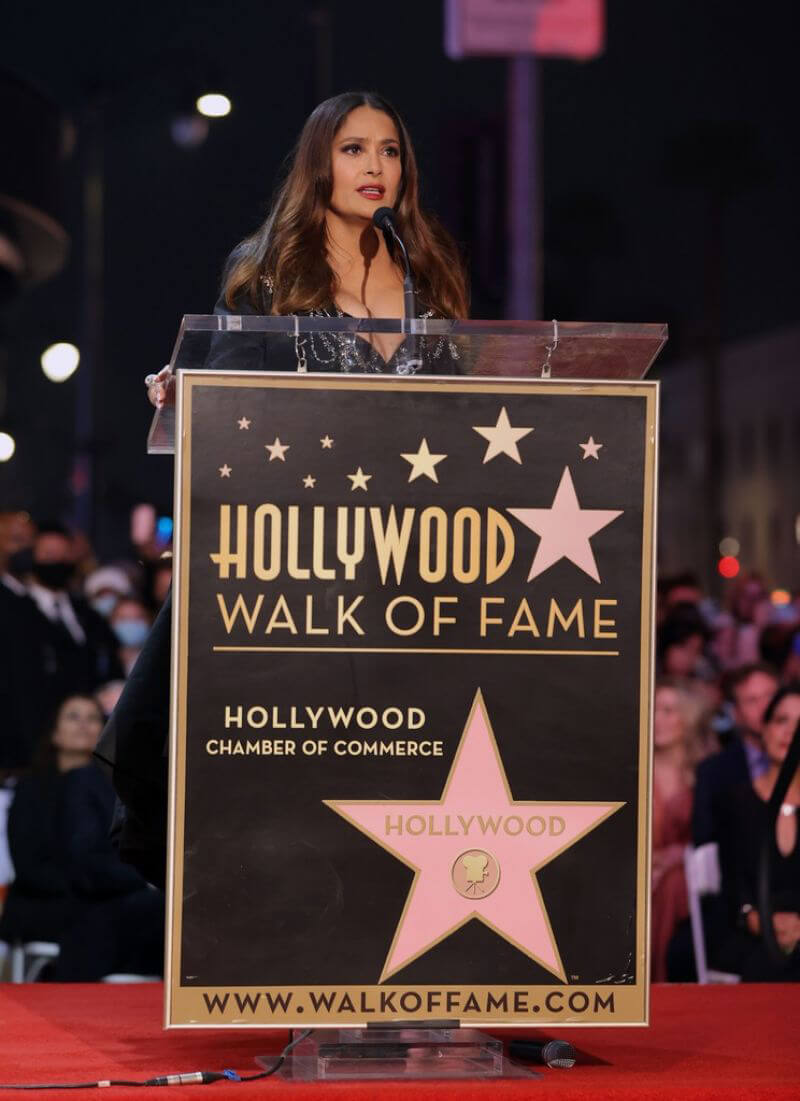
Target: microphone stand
x=409, y=294
x=383, y=220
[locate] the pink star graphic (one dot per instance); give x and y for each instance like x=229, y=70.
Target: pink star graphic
x=565, y=529
x=475, y=815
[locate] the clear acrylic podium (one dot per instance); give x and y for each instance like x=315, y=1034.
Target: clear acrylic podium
x=572, y=352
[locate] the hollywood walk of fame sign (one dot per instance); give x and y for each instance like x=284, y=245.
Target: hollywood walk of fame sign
x=413, y=651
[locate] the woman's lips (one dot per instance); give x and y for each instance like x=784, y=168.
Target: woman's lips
x=372, y=192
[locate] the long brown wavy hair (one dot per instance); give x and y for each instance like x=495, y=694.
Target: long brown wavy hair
x=288, y=253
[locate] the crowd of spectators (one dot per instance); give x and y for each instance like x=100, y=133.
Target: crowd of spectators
x=70, y=633
x=727, y=702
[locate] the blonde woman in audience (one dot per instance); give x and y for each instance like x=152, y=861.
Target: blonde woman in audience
x=680, y=740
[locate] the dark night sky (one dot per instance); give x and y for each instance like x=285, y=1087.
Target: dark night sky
x=685, y=123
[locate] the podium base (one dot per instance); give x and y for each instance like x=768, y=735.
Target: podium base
x=336, y=1054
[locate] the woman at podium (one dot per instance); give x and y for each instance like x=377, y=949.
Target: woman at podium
x=318, y=254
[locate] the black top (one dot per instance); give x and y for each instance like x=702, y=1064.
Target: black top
x=740, y=852
x=58, y=833
x=347, y=353
x=94, y=867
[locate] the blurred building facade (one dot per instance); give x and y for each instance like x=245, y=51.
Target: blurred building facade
x=759, y=396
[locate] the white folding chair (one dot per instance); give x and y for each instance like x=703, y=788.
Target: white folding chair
x=30, y=958
x=703, y=878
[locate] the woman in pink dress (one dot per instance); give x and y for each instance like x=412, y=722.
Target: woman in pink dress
x=678, y=745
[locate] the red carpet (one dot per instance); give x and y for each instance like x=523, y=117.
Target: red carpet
x=704, y=1043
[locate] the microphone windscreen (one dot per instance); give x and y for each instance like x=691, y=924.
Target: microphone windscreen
x=381, y=216
x=558, y=1053
x=551, y=1053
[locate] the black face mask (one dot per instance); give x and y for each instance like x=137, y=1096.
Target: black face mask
x=53, y=575
x=20, y=562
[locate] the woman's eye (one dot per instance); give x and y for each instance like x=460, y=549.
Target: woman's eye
x=392, y=151
x=354, y=147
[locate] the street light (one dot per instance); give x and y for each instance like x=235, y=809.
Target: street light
x=730, y=546
x=728, y=567
x=59, y=361
x=213, y=105
x=8, y=446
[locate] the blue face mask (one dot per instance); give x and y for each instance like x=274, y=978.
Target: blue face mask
x=106, y=604
x=132, y=632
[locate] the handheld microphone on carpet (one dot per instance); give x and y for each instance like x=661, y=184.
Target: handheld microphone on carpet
x=383, y=219
x=550, y=1053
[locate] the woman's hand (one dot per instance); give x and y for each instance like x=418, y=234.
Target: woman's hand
x=161, y=387
x=787, y=931
x=785, y=924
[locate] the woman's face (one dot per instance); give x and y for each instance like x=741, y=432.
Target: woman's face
x=668, y=723
x=365, y=164
x=78, y=726
x=779, y=730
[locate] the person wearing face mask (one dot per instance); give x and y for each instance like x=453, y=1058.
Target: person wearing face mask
x=130, y=621
x=78, y=649
x=104, y=587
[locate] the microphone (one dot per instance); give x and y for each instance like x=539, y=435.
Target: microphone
x=550, y=1053
x=383, y=219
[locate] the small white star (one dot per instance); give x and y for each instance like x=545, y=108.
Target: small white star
x=225, y=471
x=359, y=479
x=423, y=462
x=590, y=448
x=309, y=482
x=502, y=438
x=277, y=450
x=327, y=443
x=243, y=422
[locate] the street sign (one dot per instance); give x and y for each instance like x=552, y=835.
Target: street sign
x=553, y=28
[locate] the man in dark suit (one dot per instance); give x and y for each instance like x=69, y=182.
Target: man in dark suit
x=21, y=706
x=78, y=649
x=718, y=779
x=20, y=647
x=751, y=688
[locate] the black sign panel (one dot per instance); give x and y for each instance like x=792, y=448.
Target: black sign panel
x=410, y=755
